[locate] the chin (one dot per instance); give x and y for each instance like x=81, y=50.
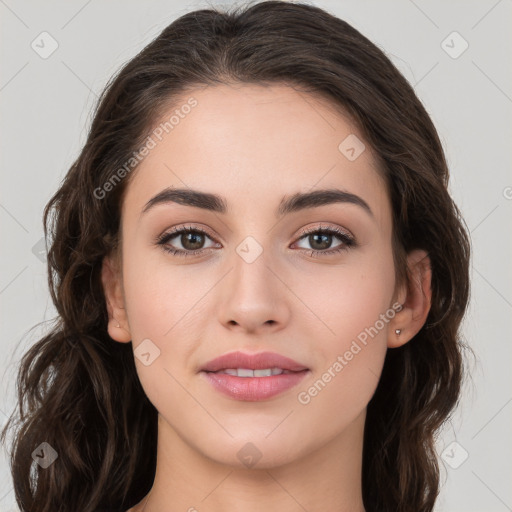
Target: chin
x=255, y=452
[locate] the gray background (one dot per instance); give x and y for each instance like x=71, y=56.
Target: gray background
x=46, y=109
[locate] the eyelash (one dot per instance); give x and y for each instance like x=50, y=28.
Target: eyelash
x=348, y=241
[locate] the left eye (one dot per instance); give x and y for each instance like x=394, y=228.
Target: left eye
x=192, y=241
x=321, y=240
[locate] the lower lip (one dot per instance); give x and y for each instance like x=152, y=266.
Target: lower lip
x=254, y=388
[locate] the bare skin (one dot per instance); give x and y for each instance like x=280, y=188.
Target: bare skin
x=254, y=145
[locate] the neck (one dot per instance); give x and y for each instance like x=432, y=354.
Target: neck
x=327, y=478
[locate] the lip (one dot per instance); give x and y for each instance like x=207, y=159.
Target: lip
x=258, y=361
x=253, y=388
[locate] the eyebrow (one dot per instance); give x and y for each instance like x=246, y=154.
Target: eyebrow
x=291, y=204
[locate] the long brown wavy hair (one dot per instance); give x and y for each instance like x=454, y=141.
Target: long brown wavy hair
x=78, y=390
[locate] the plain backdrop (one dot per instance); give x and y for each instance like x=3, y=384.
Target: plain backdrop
x=457, y=56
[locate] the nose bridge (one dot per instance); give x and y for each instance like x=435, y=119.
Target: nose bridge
x=252, y=296
x=251, y=261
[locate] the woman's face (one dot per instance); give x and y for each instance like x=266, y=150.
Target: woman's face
x=253, y=285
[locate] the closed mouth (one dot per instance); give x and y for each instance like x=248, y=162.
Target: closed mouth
x=248, y=372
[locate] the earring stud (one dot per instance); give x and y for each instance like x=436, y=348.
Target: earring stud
x=398, y=331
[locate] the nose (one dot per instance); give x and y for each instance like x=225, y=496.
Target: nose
x=254, y=297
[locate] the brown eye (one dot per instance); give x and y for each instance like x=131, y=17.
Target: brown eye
x=321, y=240
x=185, y=241
x=192, y=240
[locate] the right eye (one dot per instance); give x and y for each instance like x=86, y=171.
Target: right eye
x=190, y=239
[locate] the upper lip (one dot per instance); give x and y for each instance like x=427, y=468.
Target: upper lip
x=258, y=361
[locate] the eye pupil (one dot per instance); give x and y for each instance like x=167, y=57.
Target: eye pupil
x=324, y=244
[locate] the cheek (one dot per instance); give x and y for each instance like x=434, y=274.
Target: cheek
x=348, y=298
x=354, y=307
x=164, y=304
x=159, y=297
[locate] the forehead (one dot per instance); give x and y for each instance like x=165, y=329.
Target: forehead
x=253, y=144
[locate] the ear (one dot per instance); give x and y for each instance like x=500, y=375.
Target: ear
x=415, y=296
x=111, y=277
